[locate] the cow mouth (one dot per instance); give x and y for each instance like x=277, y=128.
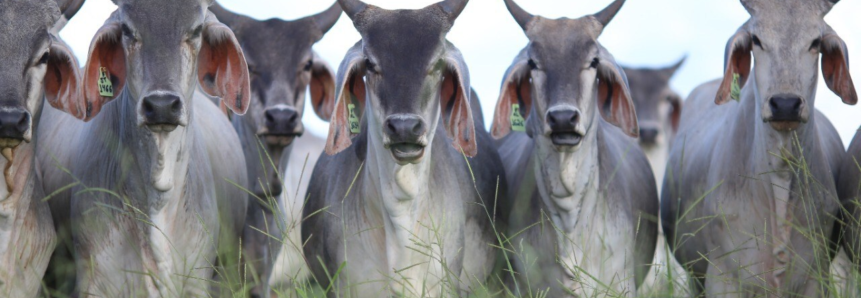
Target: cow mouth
x=566, y=138
x=405, y=153
x=785, y=125
x=280, y=139
x=10, y=143
x=161, y=128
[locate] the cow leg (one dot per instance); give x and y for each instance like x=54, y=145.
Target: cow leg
x=261, y=243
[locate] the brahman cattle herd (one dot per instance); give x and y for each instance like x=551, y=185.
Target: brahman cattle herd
x=173, y=163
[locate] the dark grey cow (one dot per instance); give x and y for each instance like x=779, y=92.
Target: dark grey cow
x=154, y=168
x=395, y=203
x=585, y=203
x=658, y=111
x=282, y=67
x=749, y=200
x=36, y=64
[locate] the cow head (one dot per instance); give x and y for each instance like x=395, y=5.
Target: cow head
x=412, y=77
x=157, y=52
x=786, y=39
x=562, y=80
x=282, y=67
x=658, y=107
x=35, y=62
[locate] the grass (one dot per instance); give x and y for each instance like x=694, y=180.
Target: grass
x=233, y=277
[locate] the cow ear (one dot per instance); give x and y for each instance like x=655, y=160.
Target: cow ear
x=346, y=109
x=322, y=88
x=835, y=68
x=736, y=67
x=614, y=96
x=105, y=72
x=455, y=104
x=516, y=90
x=221, y=67
x=676, y=113
x=62, y=78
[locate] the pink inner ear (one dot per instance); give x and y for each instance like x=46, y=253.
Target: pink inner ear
x=621, y=113
x=835, y=70
x=502, y=115
x=61, y=82
x=323, y=92
x=107, y=52
x=340, y=136
x=222, y=69
x=738, y=62
x=460, y=126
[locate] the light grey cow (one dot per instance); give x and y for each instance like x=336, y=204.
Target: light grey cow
x=282, y=66
x=153, y=171
x=394, y=201
x=36, y=64
x=584, y=198
x=658, y=111
x=749, y=200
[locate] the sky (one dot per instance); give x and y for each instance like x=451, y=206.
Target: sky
x=645, y=33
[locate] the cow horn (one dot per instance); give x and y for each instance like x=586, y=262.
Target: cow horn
x=69, y=7
x=453, y=8
x=521, y=16
x=352, y=7
x=326, y=19
x=606, y=15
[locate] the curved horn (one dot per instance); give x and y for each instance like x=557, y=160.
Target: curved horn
x=69, y=7
x=521, y=16
x=453, y=8
x=606, y=15
x=352, y=7
x=326, y=19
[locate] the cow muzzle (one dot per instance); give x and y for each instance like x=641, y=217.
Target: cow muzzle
x=406, y=138
x=14, y=125
x=786, y=112
x=282, y=125
x=564, y=123
x=162, y=112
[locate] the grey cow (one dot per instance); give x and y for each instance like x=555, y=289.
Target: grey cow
x=584, y=198
x=749, y=200
x=393, y=201
x=153, y=171
x=283, y=67
x=35, y=64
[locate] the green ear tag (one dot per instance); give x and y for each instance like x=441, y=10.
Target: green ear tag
x=735, y=91
x=517, y=121
x=353, y=119
x=106, y=88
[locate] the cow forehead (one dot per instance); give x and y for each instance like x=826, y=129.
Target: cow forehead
x=786, y=8
x=404, y=39
x=276, y=43
x=25, y=26
x=567, y=41
x=162, y=16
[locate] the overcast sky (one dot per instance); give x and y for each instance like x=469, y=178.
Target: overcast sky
x=645, y=33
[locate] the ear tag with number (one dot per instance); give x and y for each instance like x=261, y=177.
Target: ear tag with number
x=106, y=88
x=353, y=119
x=517, y=121
x=735, y=90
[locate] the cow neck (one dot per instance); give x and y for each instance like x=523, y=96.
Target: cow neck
x=780, y=176
x=163, y=157
x=568, y=180
x=255, y=158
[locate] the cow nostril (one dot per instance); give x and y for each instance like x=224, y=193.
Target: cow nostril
x=148, y=108
x=293, y=117
x=269, y=117
x=417, y=128
x=176, y=105
x=563, y=119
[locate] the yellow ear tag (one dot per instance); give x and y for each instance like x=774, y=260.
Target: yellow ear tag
x=735, y=91
x=106, y=88
x=517, y=121
x=353, y=119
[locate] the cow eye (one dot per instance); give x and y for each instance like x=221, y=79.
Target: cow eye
x=595, y=62
x=309, y=65
x=370, y=66
x=127, y=32
x=815, y=45
x=756, y=41
x=196, y=33
x=43, y=59
x=532, y=64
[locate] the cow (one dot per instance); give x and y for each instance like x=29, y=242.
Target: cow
x=584, y=197
x=658, y=110
x=36, y=64
x=282, y=67
x=403, y=201
x=154, y=189
x=749, y=201
x=848, y=187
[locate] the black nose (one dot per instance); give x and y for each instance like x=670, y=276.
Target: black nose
x=162, y=109
x=281, y=121
x=563, y=120
x=648, y=135
x=405, y=129
x=785, y=108
x=14, y=123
